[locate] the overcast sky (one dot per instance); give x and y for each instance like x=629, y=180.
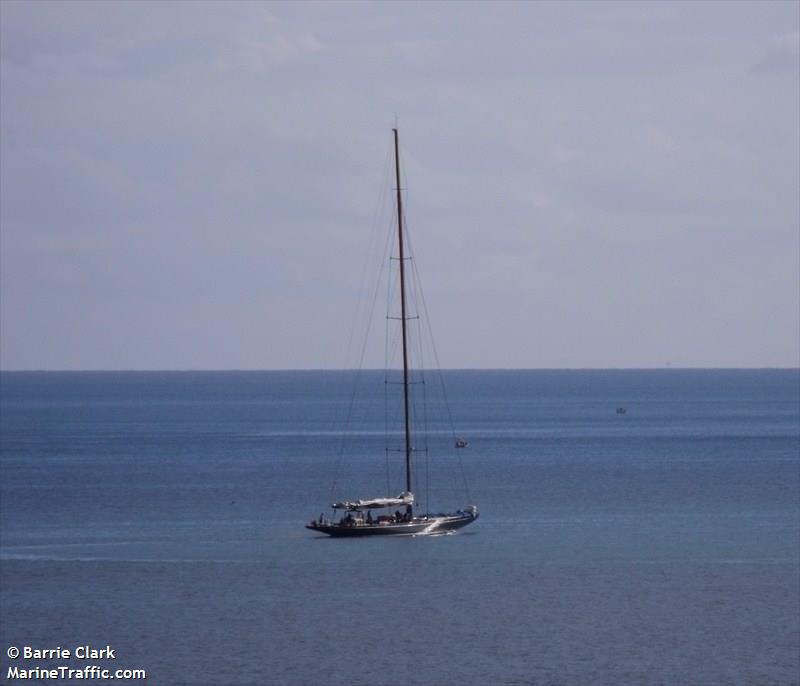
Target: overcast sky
x=192, y=185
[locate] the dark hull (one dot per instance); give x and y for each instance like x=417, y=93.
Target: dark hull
x=419, y=526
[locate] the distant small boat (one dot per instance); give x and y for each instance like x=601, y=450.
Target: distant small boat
x=461, y=443
x=621, y=410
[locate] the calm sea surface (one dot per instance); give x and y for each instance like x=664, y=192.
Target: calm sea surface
x=163, y=513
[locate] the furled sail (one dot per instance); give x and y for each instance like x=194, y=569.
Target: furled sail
x=404, y=498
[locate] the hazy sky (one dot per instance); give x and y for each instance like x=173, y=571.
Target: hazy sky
x=192, y=185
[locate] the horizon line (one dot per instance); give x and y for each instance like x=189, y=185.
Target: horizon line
x=190, y=370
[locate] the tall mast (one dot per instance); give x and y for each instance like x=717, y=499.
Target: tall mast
x=403, y=310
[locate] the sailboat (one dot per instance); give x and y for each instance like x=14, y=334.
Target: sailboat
x=350, y=518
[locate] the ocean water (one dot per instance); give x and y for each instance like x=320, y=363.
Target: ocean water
x=162, y=514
